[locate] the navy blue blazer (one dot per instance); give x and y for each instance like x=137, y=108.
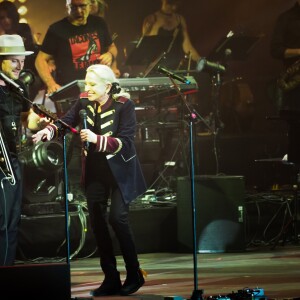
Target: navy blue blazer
x=119, y=118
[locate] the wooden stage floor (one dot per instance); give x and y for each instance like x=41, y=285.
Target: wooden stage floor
x=173, y=276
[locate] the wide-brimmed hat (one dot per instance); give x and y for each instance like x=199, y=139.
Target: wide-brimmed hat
x=12, y=44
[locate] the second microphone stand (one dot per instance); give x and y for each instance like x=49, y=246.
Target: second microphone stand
x=197, y=294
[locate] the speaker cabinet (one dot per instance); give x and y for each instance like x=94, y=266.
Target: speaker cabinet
x=219, y=214
x=36, y=282
x=39, y=187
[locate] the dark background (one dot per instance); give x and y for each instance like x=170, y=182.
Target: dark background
x=208, y=22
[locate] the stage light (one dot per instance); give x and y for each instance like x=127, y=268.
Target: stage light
x=23, y=20
x=43, y=156
x=22, y=1
x=22, y=10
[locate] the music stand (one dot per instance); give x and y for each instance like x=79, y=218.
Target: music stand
x=234, y=47
x=69, y=90
x=65, y=96
x=149, y=51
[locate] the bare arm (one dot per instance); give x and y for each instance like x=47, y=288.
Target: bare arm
x=148, y=23
x=187, y=45
x=42, y=62
x=108, y=57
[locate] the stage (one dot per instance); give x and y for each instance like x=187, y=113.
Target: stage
x=253, y=248
x=272, y=272
x=246, y=235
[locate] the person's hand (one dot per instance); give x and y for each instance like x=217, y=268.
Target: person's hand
x=86, y=135
x=42, y=135
x=43, y=122
x=106, y=58
x=52, y=87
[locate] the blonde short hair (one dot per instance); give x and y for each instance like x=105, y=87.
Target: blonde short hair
x=107, y=75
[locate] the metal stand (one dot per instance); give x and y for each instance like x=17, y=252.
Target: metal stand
x=66, y=195
x=197, y=294
x=290, y=214
x=217, y=83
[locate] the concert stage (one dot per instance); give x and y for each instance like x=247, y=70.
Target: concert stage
x=240, y=199
x=172, y=276
x=246, y=238
x=266, y=257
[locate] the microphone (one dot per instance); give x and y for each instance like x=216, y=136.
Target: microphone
x=228, y=52
x=203, y=64
x=83, y=115
x=173, y=75
x=11, y=82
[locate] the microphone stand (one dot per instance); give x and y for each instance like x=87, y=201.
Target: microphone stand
x=41, y=109
x=217, y=83
x=197, y=294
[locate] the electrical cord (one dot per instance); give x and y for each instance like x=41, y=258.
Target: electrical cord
x=5, y=219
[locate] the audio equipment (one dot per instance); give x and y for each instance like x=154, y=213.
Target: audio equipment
x=219, y=209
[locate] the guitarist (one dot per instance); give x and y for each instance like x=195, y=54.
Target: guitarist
x=14, y=110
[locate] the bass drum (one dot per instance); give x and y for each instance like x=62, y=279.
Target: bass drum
x=236, y=106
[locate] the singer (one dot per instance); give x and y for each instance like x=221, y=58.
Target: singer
x=111, y=170
x=13, y=111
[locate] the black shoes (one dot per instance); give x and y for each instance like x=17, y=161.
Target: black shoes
x=111, y=285
x=133, y=282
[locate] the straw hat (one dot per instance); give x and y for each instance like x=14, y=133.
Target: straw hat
x=12, y=44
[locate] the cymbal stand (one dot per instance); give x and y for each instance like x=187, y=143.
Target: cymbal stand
x=197, y=294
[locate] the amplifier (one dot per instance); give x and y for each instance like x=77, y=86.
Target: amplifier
x=34, y=209
x=219, y=207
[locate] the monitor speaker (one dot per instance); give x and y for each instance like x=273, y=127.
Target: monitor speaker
x=35, y=282
x=219, y=214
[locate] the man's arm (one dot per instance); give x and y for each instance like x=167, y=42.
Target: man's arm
x=42, y=65
x=108, y=57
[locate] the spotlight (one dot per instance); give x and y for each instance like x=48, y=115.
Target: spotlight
x=44, y=156
x=22, y=10
x=205, y=65
x=23, y=20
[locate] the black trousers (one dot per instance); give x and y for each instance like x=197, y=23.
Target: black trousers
x=99, y=190
x=10, y=215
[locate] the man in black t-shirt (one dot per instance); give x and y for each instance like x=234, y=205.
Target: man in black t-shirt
x=74, y=43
